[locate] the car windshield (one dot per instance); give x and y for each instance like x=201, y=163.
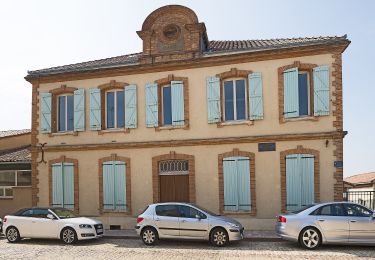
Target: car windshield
x=205, y=210
x=302, y=209
x=64, y=213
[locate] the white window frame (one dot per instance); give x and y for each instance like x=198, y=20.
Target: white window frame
x=66, y=112
x=162, y=104
x=308, y=92
x=15, y=172
x=235, y=99
x=115, y=91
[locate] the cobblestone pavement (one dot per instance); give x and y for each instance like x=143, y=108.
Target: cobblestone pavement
x=134, y=249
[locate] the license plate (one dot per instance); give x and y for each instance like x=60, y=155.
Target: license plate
x=99, y=230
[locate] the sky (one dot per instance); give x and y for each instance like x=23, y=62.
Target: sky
x=37, y=34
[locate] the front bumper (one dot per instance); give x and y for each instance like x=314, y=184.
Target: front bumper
x=96, y=231
x=236, y=234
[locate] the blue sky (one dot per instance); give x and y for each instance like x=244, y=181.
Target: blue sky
x=39, y=34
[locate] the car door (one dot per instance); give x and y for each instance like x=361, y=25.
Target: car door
x=23, y=221
x=167, y=220
x=43, y=227
x=333, y=222
x=193, y=223
x=361, y=224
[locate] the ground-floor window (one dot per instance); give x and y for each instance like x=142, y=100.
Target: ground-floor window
x=299, y=181
x=13, y=178
x=237, y=195
x=63, y=185
x=114, y=185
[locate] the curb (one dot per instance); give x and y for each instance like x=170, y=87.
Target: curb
x=250, y=239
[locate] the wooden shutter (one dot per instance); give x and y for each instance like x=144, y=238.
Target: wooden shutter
x=57, y=185
x=152, y=116
x=108, y=185
x=120, y=185
x=95, y=109
x=321, y=91
x=68, y=185
x=131, y=106
x=213, y=100
x=243, y=180
x=177, y=96
x=255, y=96
x=45, y=112
x=230, y=184
x=307, y=179
x=291, y=104
x=79, y=110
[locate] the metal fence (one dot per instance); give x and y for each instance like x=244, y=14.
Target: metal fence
x=365, y=198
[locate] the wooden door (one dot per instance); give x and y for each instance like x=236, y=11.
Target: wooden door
x=174, y=188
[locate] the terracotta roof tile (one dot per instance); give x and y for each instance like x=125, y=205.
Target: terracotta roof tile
x=20, y=154
x=361, y=178
x=14, y=132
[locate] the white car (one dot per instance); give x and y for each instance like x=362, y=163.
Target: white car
x=55, y=223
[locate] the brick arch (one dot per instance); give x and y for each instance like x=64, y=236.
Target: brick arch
x=172, y=156
x=115, y=157
x=251, y=156
x=299, y=150
x=301, y=67
x=64, y=159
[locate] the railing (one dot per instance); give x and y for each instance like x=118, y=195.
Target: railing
x=365, y=198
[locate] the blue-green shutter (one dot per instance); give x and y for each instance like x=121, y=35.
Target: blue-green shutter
x=57, y=185
x=152, y=117
x=79, y=110
x=177, y=96
x=243, y=175
x=321, y=91
x=255, y=96
x=230, y=184
x=291, y=104
x=45, y=112
x=131, y=106
x=108, y=185
x=307, y=179
x=95, y=109
x=213, y=100
x=68, y=180
x=120, y=185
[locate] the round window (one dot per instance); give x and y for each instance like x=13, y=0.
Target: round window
x=171, y=31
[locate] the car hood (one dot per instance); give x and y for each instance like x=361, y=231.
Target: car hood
x=226, y=219
x=81, y=220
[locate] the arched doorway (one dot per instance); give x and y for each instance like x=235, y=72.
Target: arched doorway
x=174, y=180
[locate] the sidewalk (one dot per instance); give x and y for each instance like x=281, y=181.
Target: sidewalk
x=268, y=236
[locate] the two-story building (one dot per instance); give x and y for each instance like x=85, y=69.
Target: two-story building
x=245, y=128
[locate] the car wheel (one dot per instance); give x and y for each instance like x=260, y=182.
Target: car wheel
x=149, y=236
x=13, y=235
x=219, y=237
x=310, y=238
x=69, y=236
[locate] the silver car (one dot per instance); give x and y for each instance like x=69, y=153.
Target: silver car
x=186, y=221
x=328, y=223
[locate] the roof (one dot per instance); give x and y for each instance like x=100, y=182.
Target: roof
x=213, y=48
x=8, y=133
x=20, y=154
x=361, y=178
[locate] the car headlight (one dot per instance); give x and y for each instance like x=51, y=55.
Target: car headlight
x=85, y=226
x=233, y=225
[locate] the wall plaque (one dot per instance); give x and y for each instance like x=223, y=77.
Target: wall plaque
x=266, y=147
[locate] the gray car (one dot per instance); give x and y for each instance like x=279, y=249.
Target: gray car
x=186, y=221
x=328, y=223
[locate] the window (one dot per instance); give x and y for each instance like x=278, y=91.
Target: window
x=235, y=100
x=357, y=211
x=167, y=211
x=330, y=210
x=10, y=179
x=189, y=212
x=173, y=167
x=40, y=213
x=114, y=185
x=65, y=113
x=115, y=109
x=303, y=93
x=167, y=105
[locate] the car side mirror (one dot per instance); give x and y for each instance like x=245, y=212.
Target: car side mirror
x=198, y=217
x=373, y=215
x=50, y=216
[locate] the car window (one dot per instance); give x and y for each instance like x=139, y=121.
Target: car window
x=64, y=213
x=167, y=210
x=40, y=213
x=330, y=210
x=357, y=211
x=26, y=213
x=189, y=212
x=338, y=210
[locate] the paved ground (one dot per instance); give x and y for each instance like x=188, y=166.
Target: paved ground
x=134, y=249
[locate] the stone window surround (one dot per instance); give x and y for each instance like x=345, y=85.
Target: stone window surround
x=299, y=150
x=166, y=81
x=251, y=156
x=172, y=155
x=307, y=67
x=64, y=159
x=115, y=157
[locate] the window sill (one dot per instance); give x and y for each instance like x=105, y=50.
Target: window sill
x=75, y=133
x=231, y=123
x=239, y=213
x=114, y=130
x=297, y=119
x=170, y=127
x=6, y=198
x=109, y=211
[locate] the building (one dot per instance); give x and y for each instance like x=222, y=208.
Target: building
x=245, y=128
x=15, y=170
x=360, y=188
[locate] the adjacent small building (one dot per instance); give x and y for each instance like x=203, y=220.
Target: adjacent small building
x=245, y=128
x=360, y=188
x=15, y=170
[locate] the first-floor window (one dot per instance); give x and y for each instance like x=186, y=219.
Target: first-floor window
x=235, y=99
x=65, y=113
x=114, y=185
x=10, y=179
x=63, y=185
x=167, y=105
x=115, y=109
x=237, y=196
x=303, y=94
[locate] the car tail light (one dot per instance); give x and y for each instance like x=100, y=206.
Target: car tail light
x=139, y=219
x=5, y=219
x=282, y=219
